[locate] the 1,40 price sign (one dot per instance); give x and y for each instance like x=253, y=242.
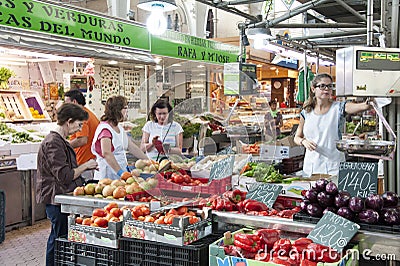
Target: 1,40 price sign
x=359, y=179
x=333, y=231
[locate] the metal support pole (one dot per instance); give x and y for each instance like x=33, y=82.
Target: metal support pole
x=370, y=23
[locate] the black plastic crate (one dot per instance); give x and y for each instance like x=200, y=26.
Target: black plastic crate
x=389, y=229
x=72, y=253
x=137, y=252
x=2, y=216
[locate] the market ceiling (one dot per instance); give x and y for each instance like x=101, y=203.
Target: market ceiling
x=347, y=21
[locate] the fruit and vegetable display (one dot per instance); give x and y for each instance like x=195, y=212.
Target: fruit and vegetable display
x=269, y=245
x=375, y=209
x=116, y=189
x=262, y=172
x=235, y=201
x=101, y=217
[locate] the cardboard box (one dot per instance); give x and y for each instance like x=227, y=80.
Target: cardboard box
x=280, y=152
x=217, y=257
x=286, y=141
x=106, y=237
x=293, y=189
x=180, y=232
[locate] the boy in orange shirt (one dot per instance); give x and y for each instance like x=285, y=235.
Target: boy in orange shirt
x=82, y=140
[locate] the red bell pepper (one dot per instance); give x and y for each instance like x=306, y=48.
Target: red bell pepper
x=282, y=247
x=262, y=256
x=219, y=205
x=231, y=250
x=316, y=252
x=228, y=206
x=250, y=248
x=286, y=261
x=268, y=236
x=253, y=205
x=306, y=262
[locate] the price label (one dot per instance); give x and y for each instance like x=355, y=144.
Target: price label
x=359, y=179
x=222, y=169
x=264, y=192
x=333, y=231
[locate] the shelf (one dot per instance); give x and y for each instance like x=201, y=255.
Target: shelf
x=85, y=204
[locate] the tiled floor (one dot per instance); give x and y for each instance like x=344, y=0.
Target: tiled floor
x=25, y=246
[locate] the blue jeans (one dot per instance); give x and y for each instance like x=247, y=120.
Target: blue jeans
x=59, y=227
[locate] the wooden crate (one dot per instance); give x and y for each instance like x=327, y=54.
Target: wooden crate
x=33, y=99
x=15, y=106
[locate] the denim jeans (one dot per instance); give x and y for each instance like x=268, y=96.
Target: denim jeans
x=59, y=227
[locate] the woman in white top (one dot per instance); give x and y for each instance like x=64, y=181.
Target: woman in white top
x=161, y=130
x=319, y=128
x=110, y=141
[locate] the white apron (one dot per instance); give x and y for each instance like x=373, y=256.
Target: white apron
x=120, y=143
x=324, y=131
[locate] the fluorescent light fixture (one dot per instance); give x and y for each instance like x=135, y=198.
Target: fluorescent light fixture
x=259, y=33
x=156, y=23
x=176, y=65
x=139, y=67
x=200, y=66
x=112, y=62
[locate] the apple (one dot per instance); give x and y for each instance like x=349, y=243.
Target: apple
x=98, y=189
x=79, y=191
x=90, y=189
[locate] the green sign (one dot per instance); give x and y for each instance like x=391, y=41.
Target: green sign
x=333, y=231
x=57, y=20
x=179, y=45
x=359, y=179
x=264, y=192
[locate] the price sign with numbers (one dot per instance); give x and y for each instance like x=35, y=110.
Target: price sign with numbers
x=333, y=231
x=222, y=169
x=359, y=179
x=265, y=193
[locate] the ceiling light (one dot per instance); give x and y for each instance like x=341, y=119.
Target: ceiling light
x=112, y=62
x=140, y=67
x=200, y=66
x=156, y=22
x=176, y=65
x=259, y=33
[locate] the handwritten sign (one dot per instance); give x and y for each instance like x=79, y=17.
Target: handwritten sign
x=265, y=193
x=222, y=169
x=359, y=179
x=333, y=231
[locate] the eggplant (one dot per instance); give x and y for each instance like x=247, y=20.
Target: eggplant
x=390, y=216
x=324, y=199
x=314, y=209
x=356, y=204
x=330, y=209
x=345, y=212
x=342, y=199
x=320, y=184
x=368, y=216
x=390, y=199
x=304, y=204
x=374, y=202
x=311, y=195
x=331, y=188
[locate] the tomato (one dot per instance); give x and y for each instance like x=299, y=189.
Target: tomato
x=101, y=222
x=145, y=210
x=110, y=205
x=182, y=210
x=187, y=178
x=177, y=178
x=87, y=221
x=172, y=211
x=99, y=213
x=78, y=220
x=149, y=219
x=116, y=212
x=137, y=211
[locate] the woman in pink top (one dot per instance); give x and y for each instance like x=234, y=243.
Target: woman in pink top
x=110, y=141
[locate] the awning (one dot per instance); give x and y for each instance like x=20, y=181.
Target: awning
x=28, y=40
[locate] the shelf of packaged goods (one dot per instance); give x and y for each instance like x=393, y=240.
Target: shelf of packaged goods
x=86, y=204
x=376, y=242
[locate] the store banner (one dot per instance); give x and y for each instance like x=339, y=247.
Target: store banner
x=45, y=17
x=179, y=45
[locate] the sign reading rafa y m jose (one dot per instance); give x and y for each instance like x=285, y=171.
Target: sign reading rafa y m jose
x=53, y=19
x=179, y=45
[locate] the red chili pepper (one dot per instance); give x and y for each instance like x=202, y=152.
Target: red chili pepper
x=255, y=206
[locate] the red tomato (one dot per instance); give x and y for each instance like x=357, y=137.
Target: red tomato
x=99, y=212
